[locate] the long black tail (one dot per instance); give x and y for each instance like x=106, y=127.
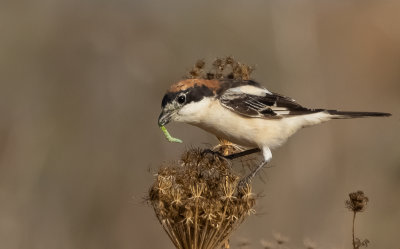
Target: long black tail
x=344, y=114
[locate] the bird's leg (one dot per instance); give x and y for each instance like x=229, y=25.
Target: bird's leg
x=247, y=179
x=234, y=155
x=243, y=153
x=267, y=155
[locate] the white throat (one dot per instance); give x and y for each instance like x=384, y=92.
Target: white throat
x=194, y=112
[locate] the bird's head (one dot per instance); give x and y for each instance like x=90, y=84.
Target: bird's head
x=184, y=100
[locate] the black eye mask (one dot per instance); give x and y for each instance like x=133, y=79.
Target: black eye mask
x=193, y=94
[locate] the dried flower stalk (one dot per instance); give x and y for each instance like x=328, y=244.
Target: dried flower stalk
x=197, y=200
x=356, y=203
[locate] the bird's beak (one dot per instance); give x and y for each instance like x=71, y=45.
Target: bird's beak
x=164, y=118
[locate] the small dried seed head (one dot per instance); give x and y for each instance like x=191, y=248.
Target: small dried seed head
x=229, y=60
x=219, y=64
x=358, y=243
x=221, y=68
x=194, y=73
x=357, y=201
x=200, y=64
x=210, y=76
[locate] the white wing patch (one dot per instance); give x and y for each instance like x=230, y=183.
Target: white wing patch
x=252, y=90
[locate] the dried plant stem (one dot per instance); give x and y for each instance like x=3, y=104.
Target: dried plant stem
x=210, y=244
x=204, y=234
x=196, y=216
x=354, y=220
x=221, y=236
x=166, y=226
x=357, y=203
x=184, y=237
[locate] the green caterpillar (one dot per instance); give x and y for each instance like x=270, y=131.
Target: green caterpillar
x=168, y=136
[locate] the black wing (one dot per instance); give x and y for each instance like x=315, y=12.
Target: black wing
x=257, y=102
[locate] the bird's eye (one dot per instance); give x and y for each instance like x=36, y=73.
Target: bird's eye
x=181, y=99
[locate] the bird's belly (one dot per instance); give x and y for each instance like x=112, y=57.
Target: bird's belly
x=248, y=132
x=253, y=132
x=239, y=137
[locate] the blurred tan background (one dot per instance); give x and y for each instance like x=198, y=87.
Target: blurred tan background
x=81, y=84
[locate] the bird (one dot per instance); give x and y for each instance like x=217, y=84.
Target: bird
x=244, y=112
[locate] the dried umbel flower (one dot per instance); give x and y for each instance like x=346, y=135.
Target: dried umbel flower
x=222, y=68
x=197, y=200
x=357, y=202
x=200, y=64
x=197, y=70
x=358, y=243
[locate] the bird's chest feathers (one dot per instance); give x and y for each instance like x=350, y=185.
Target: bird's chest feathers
x=209, y=115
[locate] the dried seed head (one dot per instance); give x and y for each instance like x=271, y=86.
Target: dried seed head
x=194, y=73
x=197, y=70
x=210, y=76
x=219, y=64
x=246, y=71
x=357, y=201
x=229, y=60
x=196, y=200
x=358, y=243
x=221, y=68
x=200, y=64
